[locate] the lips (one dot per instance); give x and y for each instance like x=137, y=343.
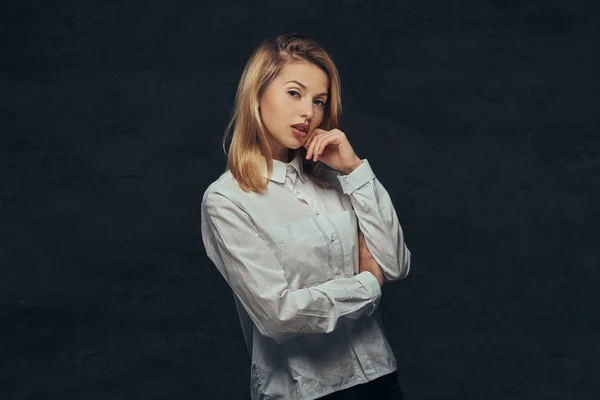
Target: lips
x=299, y=133
x=301, y=127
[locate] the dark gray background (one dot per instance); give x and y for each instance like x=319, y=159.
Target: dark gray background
x=479, y=117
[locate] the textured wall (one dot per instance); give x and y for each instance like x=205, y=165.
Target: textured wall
x=479, y=117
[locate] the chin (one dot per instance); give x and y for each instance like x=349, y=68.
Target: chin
x=293, y=145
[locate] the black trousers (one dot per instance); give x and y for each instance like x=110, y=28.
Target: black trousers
x=385, y=387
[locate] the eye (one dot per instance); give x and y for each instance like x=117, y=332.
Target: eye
x=320, y=103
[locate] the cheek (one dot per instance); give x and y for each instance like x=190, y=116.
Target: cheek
x=267, y=113
x=274, y=108
x=275, y=115
x=319, y=118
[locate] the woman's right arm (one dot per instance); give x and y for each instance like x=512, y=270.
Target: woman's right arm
x=255, y=275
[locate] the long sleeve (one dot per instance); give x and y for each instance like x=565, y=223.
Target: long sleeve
x=377, y=220
x=252, y=271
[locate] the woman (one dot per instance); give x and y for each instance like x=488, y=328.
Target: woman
x=284, y=226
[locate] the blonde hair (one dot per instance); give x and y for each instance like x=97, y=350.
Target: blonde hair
x=249, y=149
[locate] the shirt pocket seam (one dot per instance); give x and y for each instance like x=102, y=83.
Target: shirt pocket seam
x=277, y=235
x=280, y=239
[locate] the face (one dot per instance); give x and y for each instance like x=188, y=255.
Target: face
x=297, y=95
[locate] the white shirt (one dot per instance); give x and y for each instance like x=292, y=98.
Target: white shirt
x=290, y=256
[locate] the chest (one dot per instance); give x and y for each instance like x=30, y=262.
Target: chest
x=313, y=233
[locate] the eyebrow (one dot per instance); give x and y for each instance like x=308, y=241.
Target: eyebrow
x=304, y=87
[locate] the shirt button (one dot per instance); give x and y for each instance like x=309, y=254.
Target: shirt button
x=333, y=238
x=297, y=191
x=317, y=212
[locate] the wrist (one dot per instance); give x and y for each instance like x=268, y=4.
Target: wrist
x=353, y=167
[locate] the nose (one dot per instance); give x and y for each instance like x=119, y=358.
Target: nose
x=307, y=111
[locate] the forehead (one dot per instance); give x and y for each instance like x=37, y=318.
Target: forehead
x=311, y=76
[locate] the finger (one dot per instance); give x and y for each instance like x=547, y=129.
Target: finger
x=324, y=141
x=319, y=146
x=307, y=145
x=310, y=141
x=313, y=145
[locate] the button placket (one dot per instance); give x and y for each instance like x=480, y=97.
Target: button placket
x=337, y=255
x=291, y=176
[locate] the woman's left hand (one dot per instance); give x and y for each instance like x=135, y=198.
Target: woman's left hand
x=332, y=148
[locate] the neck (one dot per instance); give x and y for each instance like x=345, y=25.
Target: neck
x=291, y=153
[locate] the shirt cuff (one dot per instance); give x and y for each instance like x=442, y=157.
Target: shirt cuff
x=355, y=179
x=370, y=283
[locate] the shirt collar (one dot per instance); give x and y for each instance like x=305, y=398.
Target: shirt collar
x=281, y=169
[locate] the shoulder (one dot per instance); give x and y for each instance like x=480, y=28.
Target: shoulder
x=222, y=186
x=224, y=201
x=225, y=188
